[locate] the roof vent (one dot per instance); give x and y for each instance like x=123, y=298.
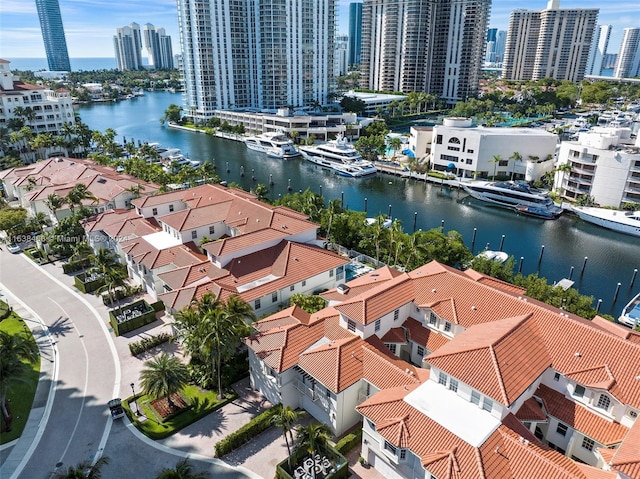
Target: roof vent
x=343, y=288
x=577, y=354
x=473, y=308
x=433, y=290
x=102, y=180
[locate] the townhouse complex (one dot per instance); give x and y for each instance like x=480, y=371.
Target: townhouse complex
x=455, y=374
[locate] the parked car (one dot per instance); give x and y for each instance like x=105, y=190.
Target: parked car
x=116, y=409
x=14, y=248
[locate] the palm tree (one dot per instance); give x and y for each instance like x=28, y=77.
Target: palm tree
x=16, y=352
x=183, y=470
x=114, y=278
x=163, y=377
x=84, y=470
x=395, y=144
x=54, y=203
x=495, y=160
x=285, y=419
x=261, y=191
x=517, y=157
x=313, y=438
x=77, y=195
x=105, y=260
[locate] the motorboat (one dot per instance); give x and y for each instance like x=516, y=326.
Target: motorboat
x=538, y=212
x=511, y=194
x=274, y=144
x=627, y=222
x=173, y=163
x=340, y=156
x=386, y=222
x=630, y=315
x=495, y=256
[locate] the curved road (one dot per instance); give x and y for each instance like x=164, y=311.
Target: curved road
x=76, y=423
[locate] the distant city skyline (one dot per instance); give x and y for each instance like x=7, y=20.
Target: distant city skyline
x=89, y=26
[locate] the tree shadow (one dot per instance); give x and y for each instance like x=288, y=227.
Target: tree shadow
x=60, y=327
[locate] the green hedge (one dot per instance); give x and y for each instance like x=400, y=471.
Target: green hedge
x=87, y=286
x=348, y=442
x=73, y=266
x=247, y=432
x=121, y=293
x=157, y=306
x=149, y=316
x=145, y=344
x=5, y=310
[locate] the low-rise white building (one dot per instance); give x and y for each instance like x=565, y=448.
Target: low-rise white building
x=375, y=101
x=470, y=152
x=320, y=125
x=604, y=164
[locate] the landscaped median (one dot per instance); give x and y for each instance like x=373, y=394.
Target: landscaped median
x=199, y=403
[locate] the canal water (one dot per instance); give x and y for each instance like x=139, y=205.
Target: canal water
x=612, y=257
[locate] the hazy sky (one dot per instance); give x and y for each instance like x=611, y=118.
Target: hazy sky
x=91, y=24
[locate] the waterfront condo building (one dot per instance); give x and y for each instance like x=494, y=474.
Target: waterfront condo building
x=55, y=43
x=158, y=45
x=261, y=54
x=431, y=46
x=604, y=164
x=550, y=43
x=598, y=50
x=35, y=106
x=355, y=33
x=629, y=57
x=128, y=47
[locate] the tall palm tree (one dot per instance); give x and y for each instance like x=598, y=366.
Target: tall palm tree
x=314, y=438
x=16, y=352
x=516, y=157
x=114, y=278
x=105, y=260
x=395, y=144
x=285, y=419
x=183, y=470
x=84, y=470
x=495, y=160
x=163, y=377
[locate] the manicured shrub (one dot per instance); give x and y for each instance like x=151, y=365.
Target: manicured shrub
x=73, y=266
x=349, y=441
x=247, y=432
x=145, y=344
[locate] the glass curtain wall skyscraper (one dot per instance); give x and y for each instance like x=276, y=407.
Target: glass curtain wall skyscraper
x=127, y=44
x=265, y=54
x=355, y=33
x=55, y=43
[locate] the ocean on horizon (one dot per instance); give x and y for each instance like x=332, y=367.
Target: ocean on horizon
x=77, y=64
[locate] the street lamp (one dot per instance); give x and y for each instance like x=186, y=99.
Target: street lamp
x=135, y=401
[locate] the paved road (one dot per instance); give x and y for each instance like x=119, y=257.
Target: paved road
x=88, y=373
x=75, y=424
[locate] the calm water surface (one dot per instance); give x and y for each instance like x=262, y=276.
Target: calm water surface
x=612, y=257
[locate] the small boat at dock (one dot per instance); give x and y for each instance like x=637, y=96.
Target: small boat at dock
x=630, y=315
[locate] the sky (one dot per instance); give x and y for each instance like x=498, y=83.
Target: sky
x=91, y=24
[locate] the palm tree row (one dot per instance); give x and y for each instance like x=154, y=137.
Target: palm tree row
x=86, y=470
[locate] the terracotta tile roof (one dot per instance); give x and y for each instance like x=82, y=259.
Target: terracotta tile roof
x=280, y=340
x=627, y=457
x=376, y=302
x=610, y=326
x=494, y=283
x=362, y=283
x=395, y=335
x=531, y=411
x=336, y=364
x=425, y=337
x=633, y=336
x=599, y=377
x=238, y=243
x=284, y=264
x=191, y=274
x=508, y=356
x=580, y=418
x=189, y=219
x=100, y=221
x=384, y=370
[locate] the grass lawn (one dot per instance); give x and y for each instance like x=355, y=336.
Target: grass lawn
x=20, y=393
x=202, y=403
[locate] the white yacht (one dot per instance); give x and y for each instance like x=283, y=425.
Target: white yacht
x=631, y=313
x=512, y=194
x=627, y=222
x=274, y=144
x=340, y=156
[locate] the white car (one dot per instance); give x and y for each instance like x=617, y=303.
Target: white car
x=14, y=248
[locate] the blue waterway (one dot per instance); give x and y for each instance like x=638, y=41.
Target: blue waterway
x=77, y=64
x=612, y=257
